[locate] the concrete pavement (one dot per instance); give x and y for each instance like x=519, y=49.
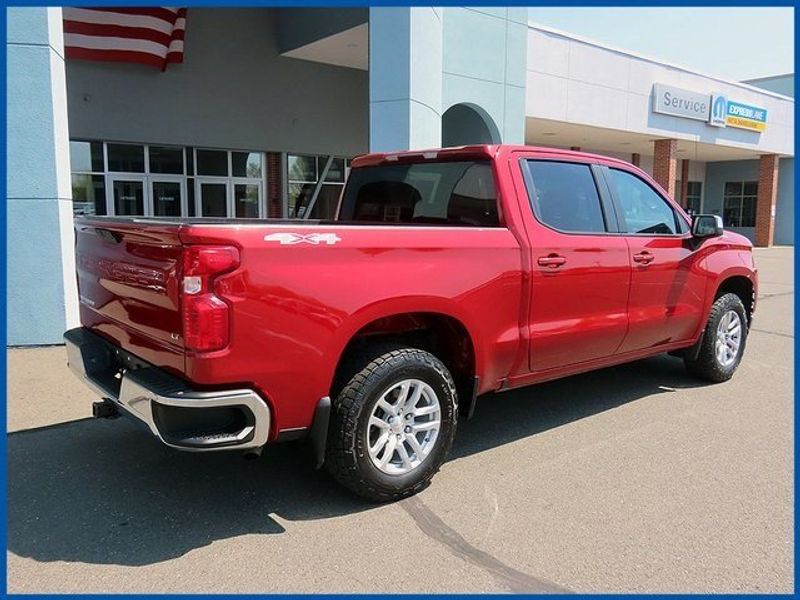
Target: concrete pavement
x=631, y=479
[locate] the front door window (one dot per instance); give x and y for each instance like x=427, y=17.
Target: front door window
x=643, y=210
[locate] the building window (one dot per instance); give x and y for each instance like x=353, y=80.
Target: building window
x=246, y=164
x=88, y=194
x=694, y=196
x=125, y=158
x=304, y=173
x=739, y=204
x=88, y=178
x=166, y=159
x=246, y=199
x=212, y=162
x=166, y=181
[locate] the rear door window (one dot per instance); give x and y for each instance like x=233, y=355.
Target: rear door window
x=460, y=193
x=564, y=196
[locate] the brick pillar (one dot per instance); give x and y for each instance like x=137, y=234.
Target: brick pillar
x=765, y=204
x=575, y=148
x=274, y=185
x=665, y=164
x=636, y=159
x=684, y=182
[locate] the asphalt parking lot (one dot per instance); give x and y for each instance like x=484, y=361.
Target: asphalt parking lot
x=631, y=479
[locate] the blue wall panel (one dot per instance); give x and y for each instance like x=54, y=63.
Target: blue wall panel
x=35, y=286
x=35, y=296
x=464, y=56
x=30, y=161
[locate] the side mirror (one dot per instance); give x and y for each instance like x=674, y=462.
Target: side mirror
x=705, y=226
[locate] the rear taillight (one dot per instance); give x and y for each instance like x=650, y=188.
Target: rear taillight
x=206, y=317
x=205, y=323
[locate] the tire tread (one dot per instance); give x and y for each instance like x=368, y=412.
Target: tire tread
x=340, y=460
x=705, y=365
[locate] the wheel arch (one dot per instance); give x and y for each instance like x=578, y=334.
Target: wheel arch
x=431, y=324
x=740, y=282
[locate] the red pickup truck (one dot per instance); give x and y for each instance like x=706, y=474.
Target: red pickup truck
x=447, y=274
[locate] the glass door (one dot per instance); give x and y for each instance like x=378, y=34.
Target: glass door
x=126, y=195
x=246, y=200
x=168, y=197
x=211, y=198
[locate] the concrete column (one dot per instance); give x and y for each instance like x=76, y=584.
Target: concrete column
x=405, y=78
x=665, y=164
x=42, y=294
x=684, y=182
x=636, y=159
x=765, y=204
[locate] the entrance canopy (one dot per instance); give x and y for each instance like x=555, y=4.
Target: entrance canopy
x=545, y=132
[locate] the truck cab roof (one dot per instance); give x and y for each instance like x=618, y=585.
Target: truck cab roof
x=471, y=152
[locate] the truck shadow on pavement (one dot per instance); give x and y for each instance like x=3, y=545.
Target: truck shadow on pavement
x=106, y=492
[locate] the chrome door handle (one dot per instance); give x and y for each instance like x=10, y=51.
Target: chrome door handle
x=643, y=258
x=552, y=261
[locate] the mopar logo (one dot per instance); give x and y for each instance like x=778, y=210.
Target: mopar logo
x=719, y=110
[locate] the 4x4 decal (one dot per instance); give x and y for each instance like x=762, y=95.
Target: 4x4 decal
x=314, y=239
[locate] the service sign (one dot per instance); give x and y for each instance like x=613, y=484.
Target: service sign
x=668, y=100
x=715, y=109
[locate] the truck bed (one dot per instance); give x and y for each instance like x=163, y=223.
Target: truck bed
x=302, y=289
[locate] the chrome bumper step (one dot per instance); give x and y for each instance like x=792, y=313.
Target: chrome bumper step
x=176, y=414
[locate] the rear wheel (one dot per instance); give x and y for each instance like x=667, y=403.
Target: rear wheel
x=723, y=341
x=392, y=424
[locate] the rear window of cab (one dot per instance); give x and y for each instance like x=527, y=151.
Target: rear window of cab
x=458, y=194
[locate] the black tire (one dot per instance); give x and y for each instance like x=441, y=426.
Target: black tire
x=376, y=370
x=706, y=365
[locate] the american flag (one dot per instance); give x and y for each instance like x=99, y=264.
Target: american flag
x=150, y=36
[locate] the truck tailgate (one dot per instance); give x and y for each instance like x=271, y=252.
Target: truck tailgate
x=128, y=278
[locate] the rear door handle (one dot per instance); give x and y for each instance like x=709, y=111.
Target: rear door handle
x=552, y=261
x=643, y=257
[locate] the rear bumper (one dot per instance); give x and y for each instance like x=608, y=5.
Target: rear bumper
x=178, y=415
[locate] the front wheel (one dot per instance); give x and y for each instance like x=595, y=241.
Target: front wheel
x=392, y=424
x=723, y=341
